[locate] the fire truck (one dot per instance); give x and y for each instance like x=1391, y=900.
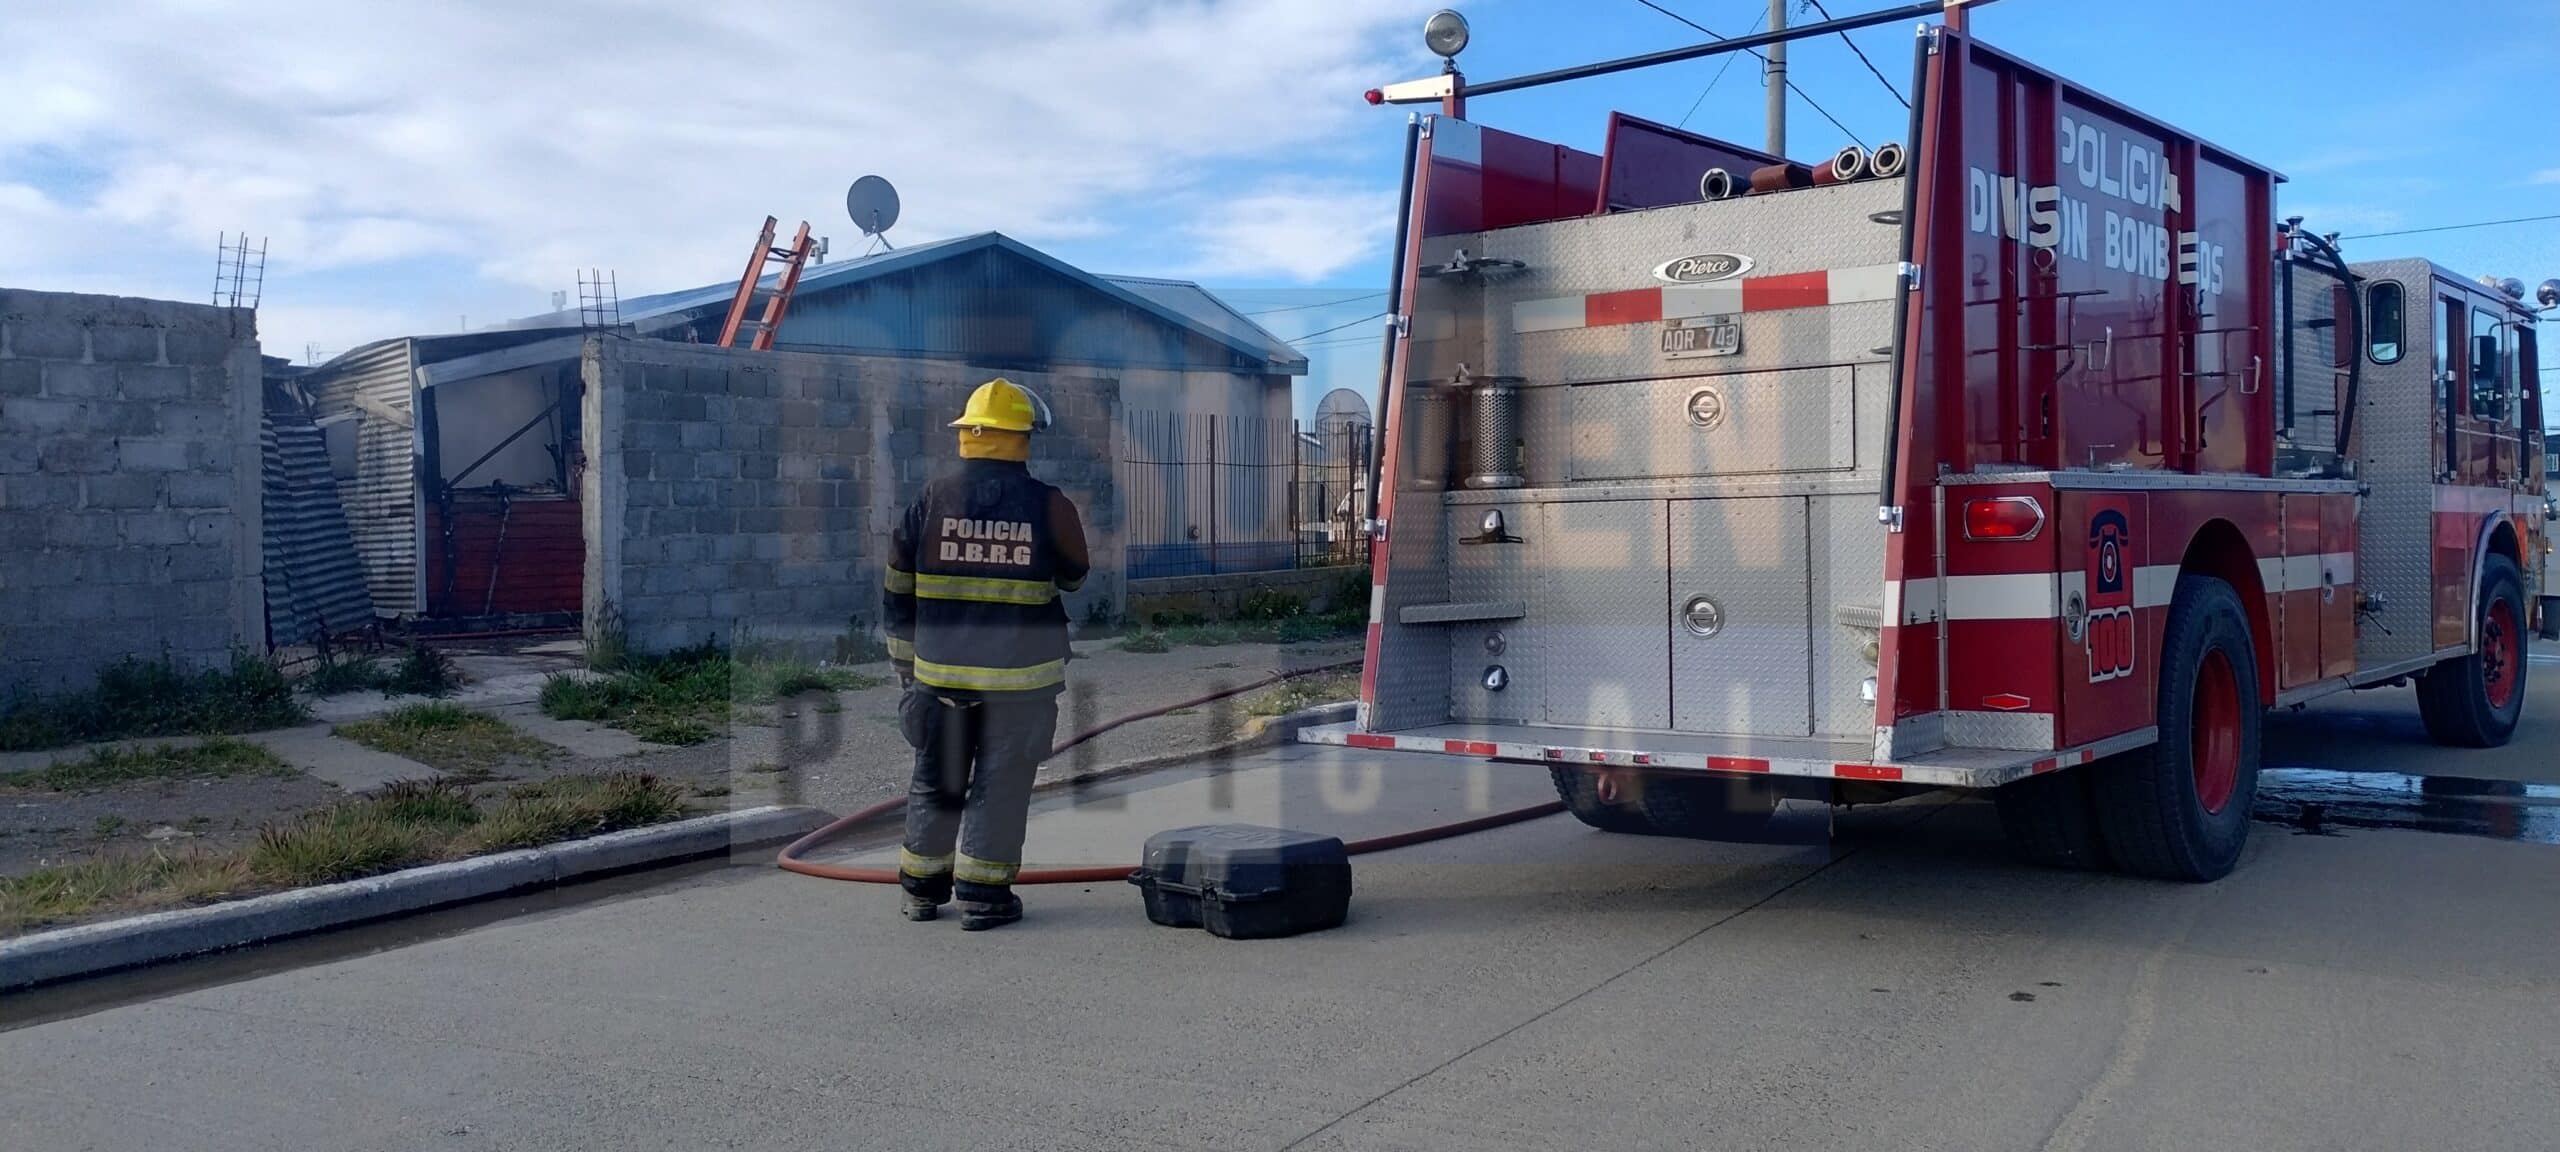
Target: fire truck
x=2034, y=453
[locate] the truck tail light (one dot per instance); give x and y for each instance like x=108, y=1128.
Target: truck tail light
x=2003, y=518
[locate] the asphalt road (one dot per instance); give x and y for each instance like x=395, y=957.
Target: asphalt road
x=1899, y=985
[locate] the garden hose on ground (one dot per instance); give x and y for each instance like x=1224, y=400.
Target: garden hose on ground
x=790, y=860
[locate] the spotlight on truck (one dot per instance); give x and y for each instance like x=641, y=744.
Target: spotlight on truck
x=1445, y=33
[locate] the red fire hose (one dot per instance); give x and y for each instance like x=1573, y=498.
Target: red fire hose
x=790, y=860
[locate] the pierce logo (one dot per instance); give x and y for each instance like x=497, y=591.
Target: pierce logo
x=1706, y=267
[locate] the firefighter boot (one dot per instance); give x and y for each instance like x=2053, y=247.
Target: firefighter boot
x=922, y=897
x=978, y=915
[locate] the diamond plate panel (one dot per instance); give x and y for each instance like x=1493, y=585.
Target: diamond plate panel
x=2400, y=447
x=1604, y=656
x=1814, y=229
x=1796, y=421
x=1481, y=573
x=1848, y=577
x=1752, y=677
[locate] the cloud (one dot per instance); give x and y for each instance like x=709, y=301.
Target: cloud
x=2345, y=217
x=517, y=142
x=2546, y=176
x=1308, y=234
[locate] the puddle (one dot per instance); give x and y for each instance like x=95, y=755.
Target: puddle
x=2319, y=802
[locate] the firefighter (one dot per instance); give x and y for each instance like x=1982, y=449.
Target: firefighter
x=979, y=637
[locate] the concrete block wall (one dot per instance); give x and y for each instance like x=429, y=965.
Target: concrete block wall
x=129, y=485
x=731, y=492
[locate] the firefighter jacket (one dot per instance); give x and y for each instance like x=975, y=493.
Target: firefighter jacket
x=975, y=569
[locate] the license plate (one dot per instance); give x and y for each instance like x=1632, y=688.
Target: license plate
x=1703, y=336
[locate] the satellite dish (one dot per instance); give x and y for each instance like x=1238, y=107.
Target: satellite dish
x=873, y=204
x=1340, y=409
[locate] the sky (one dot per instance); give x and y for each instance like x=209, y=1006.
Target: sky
x=418, y=167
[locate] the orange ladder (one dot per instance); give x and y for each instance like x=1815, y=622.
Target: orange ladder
x=793, y=259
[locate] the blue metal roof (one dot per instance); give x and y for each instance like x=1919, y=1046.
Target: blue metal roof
x=1179, y=304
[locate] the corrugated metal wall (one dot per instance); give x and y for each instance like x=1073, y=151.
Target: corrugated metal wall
x=991, y=307
x=381, y=503
x=315, y=584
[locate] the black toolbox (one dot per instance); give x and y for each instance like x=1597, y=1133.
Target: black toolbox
x=1244, y=881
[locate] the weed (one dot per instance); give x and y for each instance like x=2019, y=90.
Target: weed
x=1298, y=629
x=1305, y=692
x=710, y=790
x=155, y=698
x=448, y=737
x=340, y=842
x=218, y=756
x=1269, y=604
x=1146, y=642
x=445, y=803
x=336, y=676
x=608, y=640
x=108, y=826
x=566, y=807
x=422, y=671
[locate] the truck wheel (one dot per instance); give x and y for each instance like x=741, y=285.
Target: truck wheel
x=1579, y=788
x=2052, y=819
x=2180, y=810
x=1705, y=806
x=2473, y=702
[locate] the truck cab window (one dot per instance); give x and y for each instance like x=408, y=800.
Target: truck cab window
x=2490, y=397
x=2383, y=325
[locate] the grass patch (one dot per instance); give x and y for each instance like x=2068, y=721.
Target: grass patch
x=154, y=698
x=447, y=737
x=686, y=697
x=119, y=880
x=217, y=757
x=569, y=807
x=1305, y=692
x=405, y=824
x=1302, y=629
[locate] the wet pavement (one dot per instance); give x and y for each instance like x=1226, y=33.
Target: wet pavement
x=2378, y=974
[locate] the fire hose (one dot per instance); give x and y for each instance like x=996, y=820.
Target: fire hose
x=790, y=857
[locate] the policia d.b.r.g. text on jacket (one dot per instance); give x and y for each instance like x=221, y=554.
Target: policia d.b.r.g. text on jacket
x=979, y=636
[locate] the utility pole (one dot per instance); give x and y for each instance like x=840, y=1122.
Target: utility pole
x=1776, y=76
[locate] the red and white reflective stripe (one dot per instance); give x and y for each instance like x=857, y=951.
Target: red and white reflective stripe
x=2044, y=595
x=1722, y=298
x=1981, y=768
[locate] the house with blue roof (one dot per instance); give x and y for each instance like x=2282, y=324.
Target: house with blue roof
x=458, y=455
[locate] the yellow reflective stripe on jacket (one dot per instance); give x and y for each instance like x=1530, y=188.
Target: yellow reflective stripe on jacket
x=902, y=651
x=972, y=870
x=1071, y=585
x=984, y=589
x=900, y=582
x=914, y=865
x=991, y=679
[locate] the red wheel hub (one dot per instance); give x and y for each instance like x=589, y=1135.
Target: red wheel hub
x=2214, y=746
x=2498, y=664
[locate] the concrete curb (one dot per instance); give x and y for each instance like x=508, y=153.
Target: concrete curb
x=89, y=949
x=1258, y=732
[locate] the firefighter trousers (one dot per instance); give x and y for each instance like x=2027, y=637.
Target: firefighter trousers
x=975, y=762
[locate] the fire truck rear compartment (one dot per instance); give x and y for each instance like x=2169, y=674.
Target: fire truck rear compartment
x=1684, y=552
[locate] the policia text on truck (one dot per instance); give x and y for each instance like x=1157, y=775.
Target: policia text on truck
x=979, y=638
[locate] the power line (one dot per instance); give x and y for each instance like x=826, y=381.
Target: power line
x=1791, y=84
x=1326, y=304
x=1729, y=58
x=1337, y=327
x=1862, y=57
x=2453, y=227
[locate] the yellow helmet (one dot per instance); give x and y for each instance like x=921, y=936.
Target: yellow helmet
x=1005, y=406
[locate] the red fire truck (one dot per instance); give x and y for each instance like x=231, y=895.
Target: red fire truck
x=2038, y=455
